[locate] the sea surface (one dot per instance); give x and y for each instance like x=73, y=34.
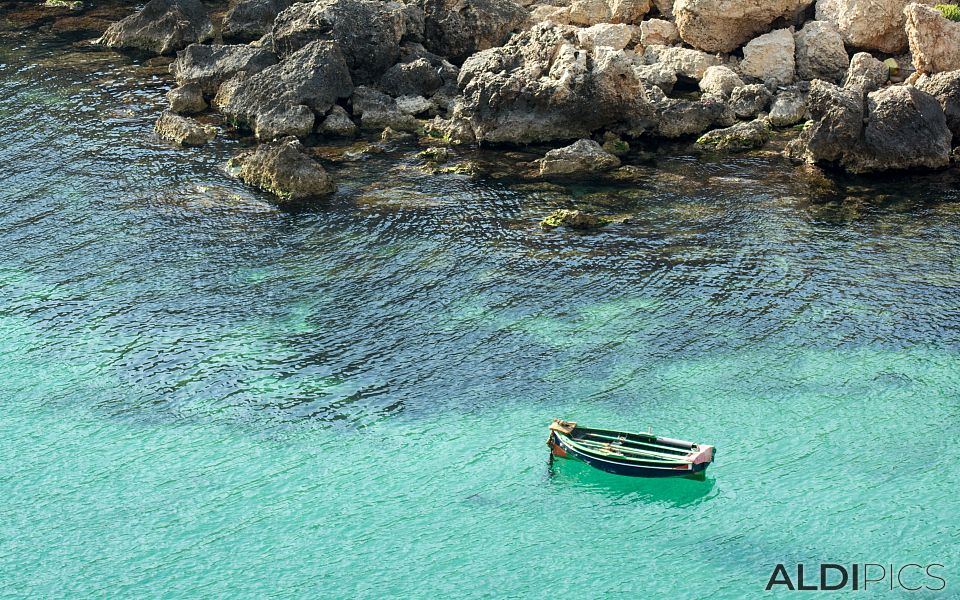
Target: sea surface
x=205, y=396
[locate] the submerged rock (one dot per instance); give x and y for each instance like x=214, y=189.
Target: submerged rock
x=934, y=40
x=183, y=131
x=738, y=138
x=580, y=158
x=162, y=26
x=283, y=169
x=458, y=28
x=210, y=66
x=573, y=219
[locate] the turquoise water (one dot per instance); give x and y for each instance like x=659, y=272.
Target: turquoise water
x=206, y=397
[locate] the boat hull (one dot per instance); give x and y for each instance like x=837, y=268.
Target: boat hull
x=561, y=449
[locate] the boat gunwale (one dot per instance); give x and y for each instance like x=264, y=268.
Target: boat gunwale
x=580, y=448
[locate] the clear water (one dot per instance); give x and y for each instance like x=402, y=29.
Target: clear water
x=205, y=396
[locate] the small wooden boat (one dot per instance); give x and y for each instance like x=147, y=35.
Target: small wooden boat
x=634, y=454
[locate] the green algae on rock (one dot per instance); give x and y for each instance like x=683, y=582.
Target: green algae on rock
x=574, y=219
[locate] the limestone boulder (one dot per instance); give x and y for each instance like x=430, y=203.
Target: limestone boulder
x=313, y=77
x=788, y=108
x=750, y=100
x=737, y=138
x=658, y=31
x=610, y=35
x=208, y=66
x=820, y=53
x=337, y=123
x=183, y=130
x=692, y=64
x=724, y=25
x=770, y=58
x=720, y=81
x=367, y=32
x=945, y=87
x=162, y=27
x=592, y=12
x=455, y=29
x=874, y=25
x=580, y=158
x=187, y=99
x=283, y=169
x=934, y=40
x=249, y=20
x=866, y=73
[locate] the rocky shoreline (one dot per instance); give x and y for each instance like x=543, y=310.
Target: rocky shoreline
x=828, y=83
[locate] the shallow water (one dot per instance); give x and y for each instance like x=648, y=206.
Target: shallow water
x=206, y=396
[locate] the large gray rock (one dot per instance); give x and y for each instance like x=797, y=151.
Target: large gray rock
x=249, y=20
x=677, y=118
x=580, y=158
x=866, y=73
x=458, y=28
x=899, y=127
x=283, y=169
x=789, y=108
x=282, y=121
x=377, y=110
x=934, y=40
x=337, y=123
x=724, y=25
x=182, y=130
x=748, y=101
x=209, y=66
x=720, y=81
x=873, y=25
x=541, y=86
x=945, y=87
x=315, y=77
x=162, y=26
x=692, y=64
x=368, y=32
x=820, y=53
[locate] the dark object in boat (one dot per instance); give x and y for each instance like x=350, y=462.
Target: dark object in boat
x=634, y=454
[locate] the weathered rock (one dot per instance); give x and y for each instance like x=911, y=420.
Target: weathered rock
x=379, y=111
x=789, y=108
x=691, y=64
x=417, y=77
x=905, y=128
x=574, y=219
x=315, y=76
x=183, y=130
x=875, y=25
x=283, y=169
x=284, y=120
x=748, y=101
x=738, y=138
x=658, y=31
x=541, y=86
x=724, y=25
x=579, y=158
x=249, y=20
x=458, y=28
x=414, y=105
x=866, y=73
x=616, y=36
x=820, y=53
x=613, y=144
x=945, y=87
x=591, y=12
x=658, y=74
x=162, y=26
x=680, y=118
x=934, y=40
x=770, y=57
x=368, y=32
x=337, y=123
x=720, y=81
x=209, y=66
x=559, y=15
x=226, y=91
x=187, y=99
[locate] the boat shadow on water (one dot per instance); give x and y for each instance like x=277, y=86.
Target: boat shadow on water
x=678, y=492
